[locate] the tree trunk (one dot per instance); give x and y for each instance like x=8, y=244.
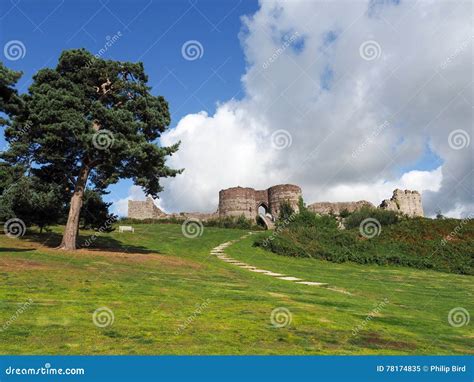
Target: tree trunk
x=71, y=231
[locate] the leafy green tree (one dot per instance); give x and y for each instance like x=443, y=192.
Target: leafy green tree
x=95, y=212
x=32, y=201
x=90, y=122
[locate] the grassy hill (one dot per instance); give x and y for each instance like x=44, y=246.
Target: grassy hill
x=444, y=244
x=169, y=296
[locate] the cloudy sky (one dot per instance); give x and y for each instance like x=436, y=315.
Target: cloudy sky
x=348, y=99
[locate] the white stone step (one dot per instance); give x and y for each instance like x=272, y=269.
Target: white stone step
x=310, y=283
x=290, y=278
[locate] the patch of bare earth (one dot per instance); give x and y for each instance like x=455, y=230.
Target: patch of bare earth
x=12, y=264
x=374, y=340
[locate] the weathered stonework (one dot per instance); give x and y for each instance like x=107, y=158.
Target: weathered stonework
x=326, y=208
x=237, y=201
x=144, y=210
x=246, y=201
x=148, y=210
x=406, y=202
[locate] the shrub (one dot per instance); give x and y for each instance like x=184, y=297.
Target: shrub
x=344, y=213
x=384, y=217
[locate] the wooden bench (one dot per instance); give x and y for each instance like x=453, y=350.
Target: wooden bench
x=126, y=228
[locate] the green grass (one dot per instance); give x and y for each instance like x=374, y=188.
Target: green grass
x=157, y=281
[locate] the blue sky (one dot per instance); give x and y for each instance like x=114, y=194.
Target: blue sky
x=151, y=31
x=348, y=99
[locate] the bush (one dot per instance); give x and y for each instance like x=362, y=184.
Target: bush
x=384, y=217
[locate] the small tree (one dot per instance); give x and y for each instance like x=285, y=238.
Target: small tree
x=32, y=201
x=90, y=121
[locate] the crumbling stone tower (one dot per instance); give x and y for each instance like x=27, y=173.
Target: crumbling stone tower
x=406, y=202
x=144, y=209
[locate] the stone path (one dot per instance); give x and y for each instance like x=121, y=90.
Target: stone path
x=219, y=253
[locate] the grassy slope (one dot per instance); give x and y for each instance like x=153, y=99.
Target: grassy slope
x=152, y=295
x=417, y=243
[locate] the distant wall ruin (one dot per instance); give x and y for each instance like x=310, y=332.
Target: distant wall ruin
x=405, y=202
x=326, y=208
x=147, y=209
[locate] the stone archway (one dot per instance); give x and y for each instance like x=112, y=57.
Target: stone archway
x=264, y=216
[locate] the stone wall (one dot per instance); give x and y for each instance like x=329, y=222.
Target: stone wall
x=144, y=209
x=326, y=208
x=148, y=210
x=404, y=201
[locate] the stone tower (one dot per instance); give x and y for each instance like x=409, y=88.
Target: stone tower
x=246, y=201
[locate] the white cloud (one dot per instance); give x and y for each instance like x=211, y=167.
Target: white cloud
x=333, y=101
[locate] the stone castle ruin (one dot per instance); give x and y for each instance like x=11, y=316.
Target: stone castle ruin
x=265, y=205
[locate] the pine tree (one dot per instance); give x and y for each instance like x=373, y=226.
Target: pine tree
x=90, y=122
